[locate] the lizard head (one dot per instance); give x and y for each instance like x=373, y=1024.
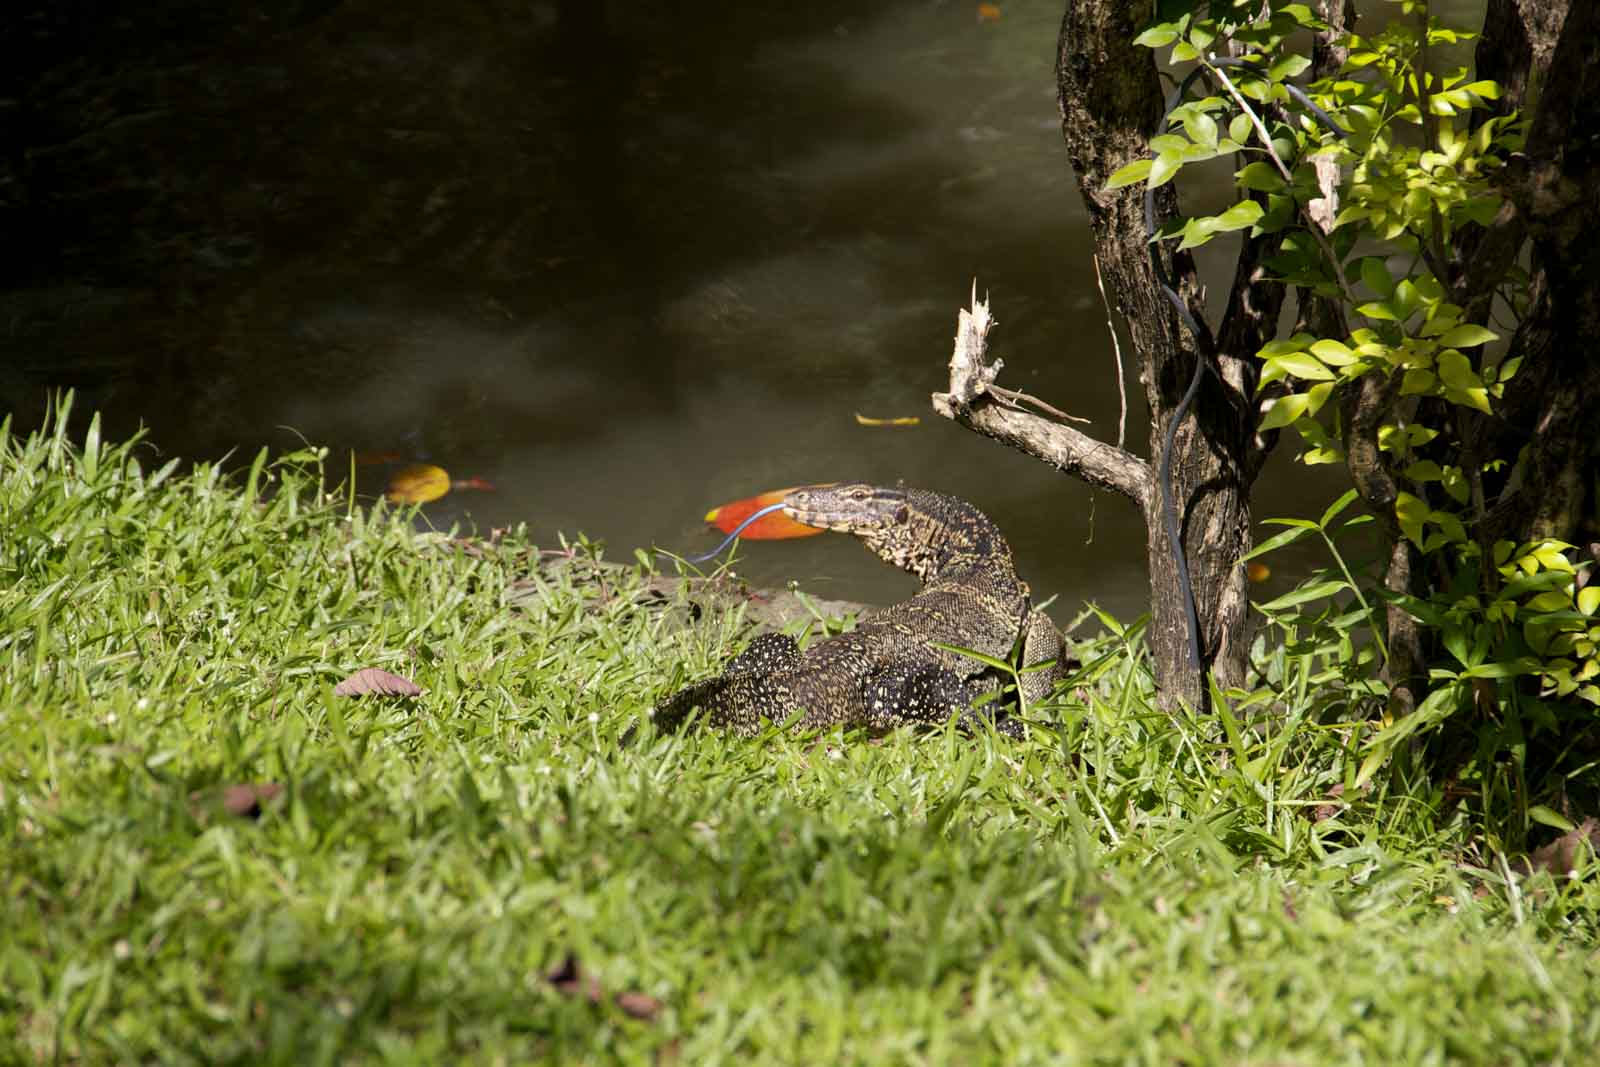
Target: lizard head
x=848, y=507
x=905, y=527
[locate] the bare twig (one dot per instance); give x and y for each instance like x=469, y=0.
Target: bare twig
x=1116, y=346
x=1015, y=399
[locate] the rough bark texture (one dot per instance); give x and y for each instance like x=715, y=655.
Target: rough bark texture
x=1111, y=102
x=1551, y=405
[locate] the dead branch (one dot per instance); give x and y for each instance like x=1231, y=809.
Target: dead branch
x=972, y=403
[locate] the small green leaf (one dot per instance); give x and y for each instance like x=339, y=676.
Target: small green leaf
x=1262, y=177
x=1239, y=128
x=1183, y=52
x=1334, y=353
x=1424, y=471
x=1157, y=36
x=1137, y=171
x=1201, y=128
x=1450, y=525
x=1316, y=396
x=1303, y=365
x=1589, y=599
x=1165, y=166
x=1305, y=594
x=1276, y=541
x=1467, y=336
x=1541, y=814
x=1237, y=217
x=1375, y=276
x=1289, y=66
x=1284, y=411
x=1336, y=507
x=1411, y=513
x=1417, y=382
x=1456, y=485
x=1350, y=213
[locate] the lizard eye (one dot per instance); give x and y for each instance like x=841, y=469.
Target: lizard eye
x=859, y=494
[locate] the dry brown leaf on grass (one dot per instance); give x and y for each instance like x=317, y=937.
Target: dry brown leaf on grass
x=571, y=980
x=373, y=682
x=245, y=800
x=1563, y=856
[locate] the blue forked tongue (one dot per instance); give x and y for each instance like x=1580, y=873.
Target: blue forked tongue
x=734, y=536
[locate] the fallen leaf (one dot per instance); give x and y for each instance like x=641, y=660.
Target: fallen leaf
x=988, y=12
x=774, y=527
x=903, y=420
x=418, y=484
x=568, y=978
x=247, y=799
x=473, y=483
x=1324, y=812
x=1566, y=853
x=244, y=800
x=639, y=1005
x=373, y=682
x=571, y=980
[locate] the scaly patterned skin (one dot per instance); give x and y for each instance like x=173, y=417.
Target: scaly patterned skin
x=887, y=672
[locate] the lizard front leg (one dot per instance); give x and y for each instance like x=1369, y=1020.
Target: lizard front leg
x=1041, y=643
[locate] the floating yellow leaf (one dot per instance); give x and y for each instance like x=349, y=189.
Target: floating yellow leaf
x=418, y=484
x=903, y=420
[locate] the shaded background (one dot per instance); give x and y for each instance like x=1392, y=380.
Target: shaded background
x=625, y=260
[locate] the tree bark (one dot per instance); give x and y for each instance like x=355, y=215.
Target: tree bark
x=1550, y=407
x=1111, y=102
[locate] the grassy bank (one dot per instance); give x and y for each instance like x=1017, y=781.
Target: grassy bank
x=482, y=874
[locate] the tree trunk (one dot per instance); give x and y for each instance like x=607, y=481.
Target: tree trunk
x=1550, y=406
x=1111, y=102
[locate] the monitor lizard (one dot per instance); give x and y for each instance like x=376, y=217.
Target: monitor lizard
x=889, y=670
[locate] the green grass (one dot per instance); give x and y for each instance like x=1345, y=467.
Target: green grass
x=1130, y=888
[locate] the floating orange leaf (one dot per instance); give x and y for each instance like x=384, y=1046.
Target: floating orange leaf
x=903, y=420
x=988, y=12
x=418, y=484
x=1259, y=572
x=774, y=527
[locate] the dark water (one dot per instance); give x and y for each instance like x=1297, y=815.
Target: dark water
x=626, y=261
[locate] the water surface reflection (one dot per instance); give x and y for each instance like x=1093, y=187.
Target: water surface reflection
x=624, y=260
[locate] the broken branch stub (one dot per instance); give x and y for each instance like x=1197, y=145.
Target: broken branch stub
x=976, y=402
x=970, y=376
